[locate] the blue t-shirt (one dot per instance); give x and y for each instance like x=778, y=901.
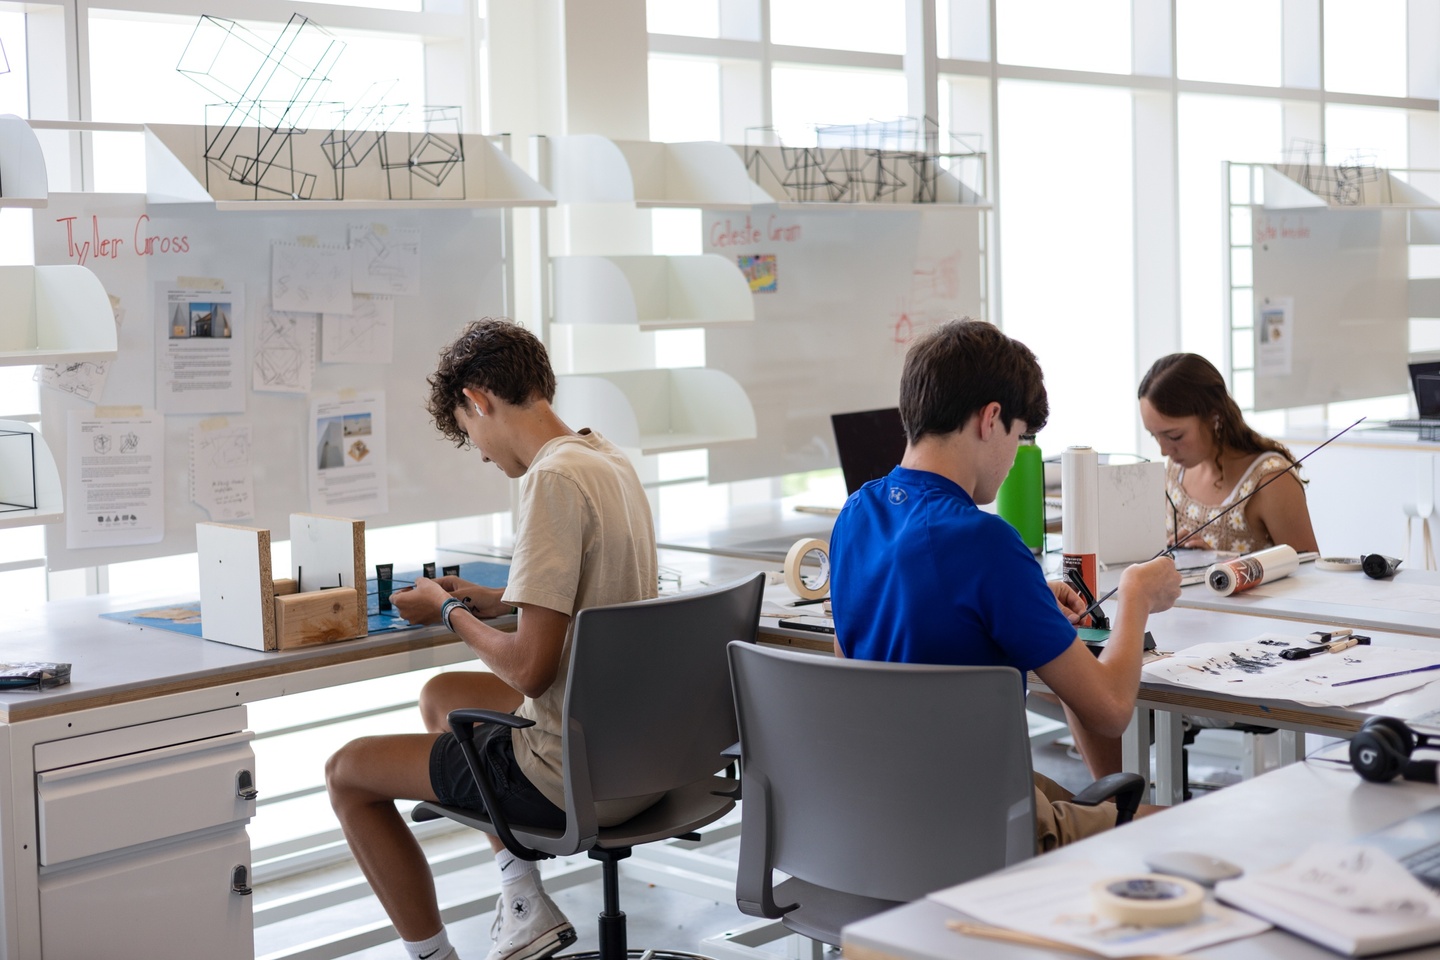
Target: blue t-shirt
x=922, y=575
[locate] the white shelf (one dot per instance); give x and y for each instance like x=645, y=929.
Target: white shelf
x=655, y=411
x=53, y=314
x=176, y=173
x=23, y=479
x=588, y=168
x=1366, y=188
x=23, y=182
x=651, y=292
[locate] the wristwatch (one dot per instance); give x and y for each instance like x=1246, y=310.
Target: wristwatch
x=446, y=609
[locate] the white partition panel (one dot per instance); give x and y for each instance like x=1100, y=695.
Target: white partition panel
x=651, y=292
x=23, y=181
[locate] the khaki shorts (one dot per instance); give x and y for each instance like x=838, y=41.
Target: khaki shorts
x=1058, y=821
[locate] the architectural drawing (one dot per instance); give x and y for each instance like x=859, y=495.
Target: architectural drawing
x=285, y=353
x=365, y=336
x=84, y=379
x=310, y=279
x=221, y=478
x=385, y=260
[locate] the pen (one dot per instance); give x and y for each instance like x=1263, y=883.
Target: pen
x=1301, y=653
x=806, y=603
x=1385, y=676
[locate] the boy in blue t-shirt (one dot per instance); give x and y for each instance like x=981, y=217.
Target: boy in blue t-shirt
x=921, y=575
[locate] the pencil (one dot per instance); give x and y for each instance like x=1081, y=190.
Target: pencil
x=1383, y=676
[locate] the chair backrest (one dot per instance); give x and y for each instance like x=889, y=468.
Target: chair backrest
x=881, y=780
x=649, y=706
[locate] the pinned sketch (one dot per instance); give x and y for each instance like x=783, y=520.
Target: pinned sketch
x=365, y=336
x=285, y=352
x=1255, y=669
x=347, y=439
x=385, y=260
x=1276, y=334
x=759, y=270
x=221, y=479
x=83, y=378
x=310, y=279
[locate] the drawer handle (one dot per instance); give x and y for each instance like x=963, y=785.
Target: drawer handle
x=240, y=880
x=245, y=785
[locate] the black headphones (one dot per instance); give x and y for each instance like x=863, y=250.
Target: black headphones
x=1381, y=750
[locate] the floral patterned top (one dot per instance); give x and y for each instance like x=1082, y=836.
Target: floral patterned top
x=1231, y=533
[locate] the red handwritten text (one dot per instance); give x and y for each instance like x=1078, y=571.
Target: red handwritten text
x=109, y=247
x=727, y=234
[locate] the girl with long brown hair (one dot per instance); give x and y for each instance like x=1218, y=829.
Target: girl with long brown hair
x=1215, y=458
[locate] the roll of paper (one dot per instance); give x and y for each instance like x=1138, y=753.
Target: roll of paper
x=1080, y=512
x=1253, y=569
x=1149, y=900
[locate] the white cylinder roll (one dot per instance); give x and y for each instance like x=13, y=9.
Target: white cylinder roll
x=810, y=586
x=1149, y=900
x=1253, y=569
x=1080, y=500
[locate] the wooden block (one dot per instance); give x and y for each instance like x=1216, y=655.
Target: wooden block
x=285, y=586
x=317, y=616
x=330, y=550
x=237, y=590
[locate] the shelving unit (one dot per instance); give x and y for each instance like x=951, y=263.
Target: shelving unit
x=54, y=314
x=29, y=482
x=588, y=168
x=23, y=182
x=652, y=292
x=176, y=173
x=656, y=411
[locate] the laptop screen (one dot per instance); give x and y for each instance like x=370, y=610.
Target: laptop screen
x=870, y=444
x=1425, y=381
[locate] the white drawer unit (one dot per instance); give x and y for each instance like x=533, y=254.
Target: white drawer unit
x=142, y=843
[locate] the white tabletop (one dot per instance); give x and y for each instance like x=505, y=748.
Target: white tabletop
x=1258, y=824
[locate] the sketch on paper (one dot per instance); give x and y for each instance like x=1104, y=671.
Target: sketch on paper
x=365, y=336
x=83, y=378
x=385, y=260
x=220, y=475
x=310, y=279
x=759, y=270
x=284, y=353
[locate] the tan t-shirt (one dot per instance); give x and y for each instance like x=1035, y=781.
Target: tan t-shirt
x=585, y=539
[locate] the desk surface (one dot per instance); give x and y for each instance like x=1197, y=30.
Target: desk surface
x=115, y=662
x=1258, y=824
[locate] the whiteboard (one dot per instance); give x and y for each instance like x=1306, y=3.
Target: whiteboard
x=1346, y=275
x=852, y=290
x=461, y=278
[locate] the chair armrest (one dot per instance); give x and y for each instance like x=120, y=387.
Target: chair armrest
x=1126, y=788
x=731, y=752
x=463, y=722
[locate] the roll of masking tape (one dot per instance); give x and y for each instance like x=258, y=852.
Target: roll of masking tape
x=1148, y=900
x=815, y=584
x=1339, y=564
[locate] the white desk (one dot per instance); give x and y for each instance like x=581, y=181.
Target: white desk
x=1258, y=824
x=120, y=824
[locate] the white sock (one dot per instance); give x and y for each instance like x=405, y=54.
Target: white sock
x=513, y=870
x=436, y=948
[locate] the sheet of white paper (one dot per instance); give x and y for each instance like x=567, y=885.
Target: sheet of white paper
x=82, y=378
x=200, y=349
x=1255, y=669
x=1275, y=337
x=221, y=479
x=1356, y=590
x=310, y=279
x=285, y=352
x=114, y=480
x=365, y=336
x=385, y=260
x=347, y=443
x=1055, y=902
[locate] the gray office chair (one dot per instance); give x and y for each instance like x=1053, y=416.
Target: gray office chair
x=873, y=784
x=648, y=710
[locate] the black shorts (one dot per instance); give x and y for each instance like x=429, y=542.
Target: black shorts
x=519, y=800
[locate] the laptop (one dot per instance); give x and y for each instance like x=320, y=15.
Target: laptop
x=1425, y=382
x=1415, y=842
x=870, y=444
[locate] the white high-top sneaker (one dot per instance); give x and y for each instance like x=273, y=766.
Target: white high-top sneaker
x=528, y=925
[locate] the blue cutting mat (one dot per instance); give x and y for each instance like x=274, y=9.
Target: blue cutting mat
x=185, y=617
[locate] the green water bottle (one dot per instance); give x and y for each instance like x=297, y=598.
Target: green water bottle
x=1021, y=499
